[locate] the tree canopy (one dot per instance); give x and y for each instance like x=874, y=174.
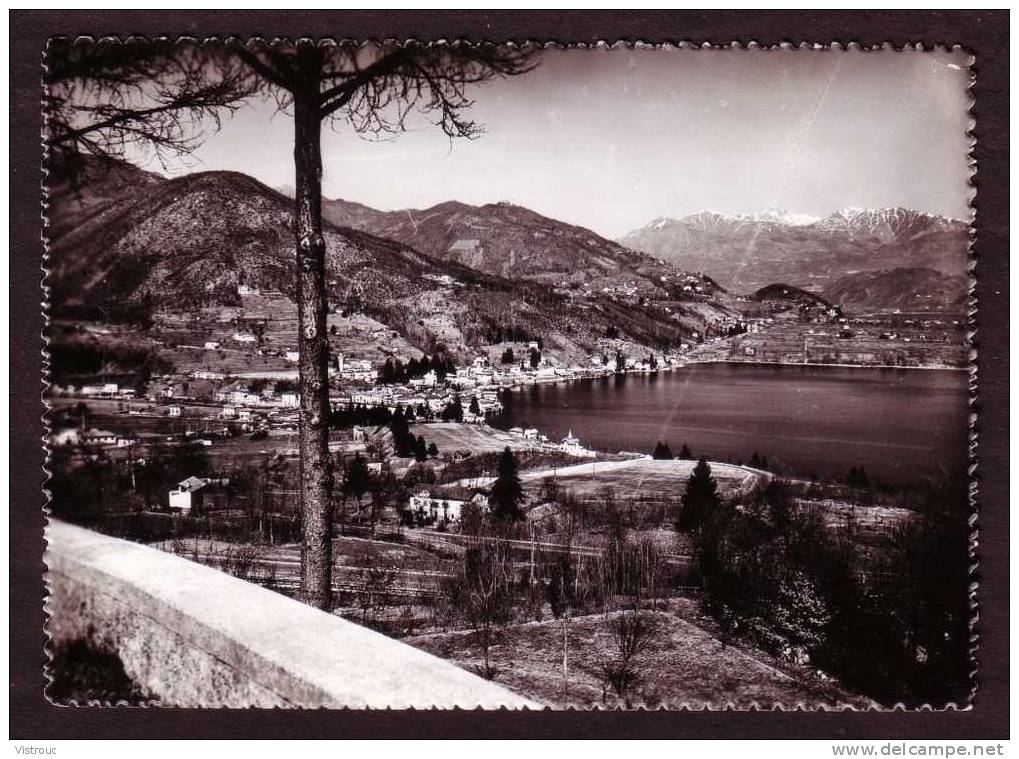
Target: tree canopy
x=105, y=96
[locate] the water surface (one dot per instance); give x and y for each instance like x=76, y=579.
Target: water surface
x=904, y=425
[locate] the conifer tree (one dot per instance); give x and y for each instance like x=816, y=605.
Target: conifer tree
x=357, y=479
x=507, y=492
x=402, y=439
x=700, y=499
x=105, y=96
x=454, y=411
x=662, y=451
x=420, y=449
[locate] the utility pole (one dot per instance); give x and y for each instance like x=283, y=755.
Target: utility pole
x=565, y=656
x=532, y=554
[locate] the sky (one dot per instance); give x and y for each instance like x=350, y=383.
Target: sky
x=611, y=139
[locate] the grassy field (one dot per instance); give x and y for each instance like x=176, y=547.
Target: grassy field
x=683, y=666
x=451, y=436
x=634, y=478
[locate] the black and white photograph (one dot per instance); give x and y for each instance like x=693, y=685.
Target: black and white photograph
x=399, y=374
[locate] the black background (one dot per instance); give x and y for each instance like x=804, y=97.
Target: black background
x=983, y=33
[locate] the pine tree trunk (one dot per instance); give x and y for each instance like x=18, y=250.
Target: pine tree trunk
x=313, y=416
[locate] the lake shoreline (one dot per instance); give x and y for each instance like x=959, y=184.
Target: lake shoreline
x=813, y=364
x=727, y=362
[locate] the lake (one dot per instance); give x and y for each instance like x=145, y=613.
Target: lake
x=903, y=425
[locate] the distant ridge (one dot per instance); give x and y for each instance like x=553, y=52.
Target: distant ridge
x=745, y=252
x=906, y=289
x=506, y=240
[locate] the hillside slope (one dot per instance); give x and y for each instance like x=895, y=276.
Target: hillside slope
x=507, y=240
x=906, y=289
x=184, y=244
x=189, y=242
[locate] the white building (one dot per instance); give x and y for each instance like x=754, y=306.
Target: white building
x=208, y=374
x=107, y=388
x=372, y=397
x=429, y=379
x=98, y=437
x=193, y=494
x=439, y=509
x=444, y=509
x=243, y=337
x=66, y=436
x=571, y=445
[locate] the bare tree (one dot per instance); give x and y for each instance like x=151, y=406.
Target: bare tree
x=482, y=592
x=104, y=96
x=632, y=635
x=374, y=586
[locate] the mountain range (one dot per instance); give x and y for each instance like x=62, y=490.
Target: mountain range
x=904, y=251
x=123, y=242
x=744, y=253
x=507, y=240
x=128, y=244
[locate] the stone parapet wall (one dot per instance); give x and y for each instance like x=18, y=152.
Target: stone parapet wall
x=192, y=636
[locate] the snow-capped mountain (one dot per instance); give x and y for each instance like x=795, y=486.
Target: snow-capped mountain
x=887, y=224
x=745, y=251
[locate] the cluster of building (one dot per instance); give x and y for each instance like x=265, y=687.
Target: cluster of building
x=91, y=438
x=570, y=444
x=111, y=390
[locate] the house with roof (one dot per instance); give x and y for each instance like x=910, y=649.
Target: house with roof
x=435, y=508
x=198, y=495
x=439, y=508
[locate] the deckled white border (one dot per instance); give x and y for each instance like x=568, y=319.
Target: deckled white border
x=836, y=46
